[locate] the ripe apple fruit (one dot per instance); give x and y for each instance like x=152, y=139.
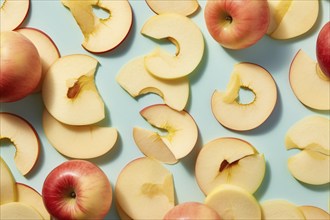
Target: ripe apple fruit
x=186, y=8
x=323, y=49
x=13, y=13
x=77, y=189
x=280, y=209
x=20, y=71
x=312, y=212
x=18, y=210
x=7, y=184
x=237, y=24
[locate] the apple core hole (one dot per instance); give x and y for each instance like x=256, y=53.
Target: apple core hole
x=100, y=12
x=223, y=165
x=245, y=96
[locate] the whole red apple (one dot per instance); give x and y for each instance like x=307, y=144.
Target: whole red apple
x=237, y=24
x=20, y=71
x=77, y=189
x=323, y=49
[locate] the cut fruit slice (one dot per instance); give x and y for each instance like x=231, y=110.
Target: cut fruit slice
x=13, y=13
x=69, y=91
x=81, y=142
x=291, y=18
x=180, y=139
x=313, y=212
x=145, y=189
x=18, y=210
x=309, y=86
x=233, y=114
x=187, y=38
x=186, y=8
x=233, y=202
x=102, y=34
x=7, y=184
x=25, y=139
x=229, y=161
x=136, y=80
x=280, y=209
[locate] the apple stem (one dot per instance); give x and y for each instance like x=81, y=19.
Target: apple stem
x=229, y=19
x=73, y=195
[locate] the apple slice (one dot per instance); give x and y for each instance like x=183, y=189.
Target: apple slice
x=101, y=34
x=46, y=47
x=145, y=189
x=13, y=13
x=180, y=139
x=291, y=18
x=18, y=210
x=233, y=202
x=69, y=91
x=313, y=212
x=309, y=84
x=312, y=136
x=136, y=80
x=229, y=161
x=82, y=142
x=31, y=197
x=25, y=139
x=233, y=114
x=280, y=209
x=186, y=8
x=7, y=184
x=184, y=34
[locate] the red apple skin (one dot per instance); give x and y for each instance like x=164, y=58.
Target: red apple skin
x=190, y=211
x=237, y=24
x=323, y=49
x=77, y=189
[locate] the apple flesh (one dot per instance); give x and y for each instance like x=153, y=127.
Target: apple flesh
x=280, y=209
x=313, y=212
x=323, y=49
x=7, y=184
x=186, y=8
x=18, y=210
x=13, y=13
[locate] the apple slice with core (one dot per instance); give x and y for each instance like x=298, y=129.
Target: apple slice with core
x=179, y=140
x=18, y=210
x=69, y=91
x=136, y=80
x=308, y=83
x=82, y=142
x=25, y=139
x=145, y=189
x=280, y=209
x=313, y=212
x=231, y=112
x=187, y=38
x=13, y=13
x=186, y=7
x=101, y=34
x=7, y=184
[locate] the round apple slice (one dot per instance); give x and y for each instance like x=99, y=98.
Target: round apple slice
x=13, y=13
x=25, y=139
x=186, y=36
x=18, y=210
x=80, y=142
x=145, y=189
x=233, y=114
x=280, y=209
x=229, y=161
x=69, y=91
x=309, y=84
x=313, y=212
x=180, y=139
x=186, y=8
x=7, y=184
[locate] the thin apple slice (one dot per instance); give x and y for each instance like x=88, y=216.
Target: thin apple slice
x=18, y=210
x=280, y=209
x=80, y=142
x=136, y=80
x=313, y=212
x=101, y=34
x=13, y=13
x=308, y=84
x=25, y=139
x=233, y=114
x=233, y=202
x=69, y=91
x=7, y=184
x=180, y=139
x=31, y=197
x=182, y=32
x=186, y=7
x=46, y=47
x=291, y=18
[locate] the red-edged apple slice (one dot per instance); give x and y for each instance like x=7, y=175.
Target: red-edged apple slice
x=308, y=83
x=69, y=91
x=233, y=114
x=280, y=209
x=46, y=47
x=81, y=142
x=7, y=184
x=229, y=161
x=145, y=189
x=13, y=13
x=25, y=139
x=186, y=7
x=180, y=139
x=291, y=18
x=18, y=210
x=31, y=197
x=136, y=80
x=187, y=37
x=313, y=212
x=101, y=34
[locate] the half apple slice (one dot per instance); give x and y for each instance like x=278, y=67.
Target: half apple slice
x=186, y=8
x=13, y=13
